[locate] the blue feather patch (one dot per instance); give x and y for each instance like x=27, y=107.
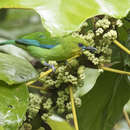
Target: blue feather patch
x=34, y=43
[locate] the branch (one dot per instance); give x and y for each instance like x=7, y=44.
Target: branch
x=122, y=47
x=73, y=109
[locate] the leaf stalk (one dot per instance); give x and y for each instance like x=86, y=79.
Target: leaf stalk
x=73, y=109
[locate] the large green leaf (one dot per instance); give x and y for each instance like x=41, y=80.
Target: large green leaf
x=13, y=105
x=127, y=107
x=122, y=125
x=124, y=38
x=14, y=70
x=102, y=106
x=57, y=123
x=1, y=128
x=63, y=16
x=91, y=76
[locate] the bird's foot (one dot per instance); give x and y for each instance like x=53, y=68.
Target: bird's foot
x=49, y=66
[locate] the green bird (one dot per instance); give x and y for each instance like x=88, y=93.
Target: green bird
x=42, y=46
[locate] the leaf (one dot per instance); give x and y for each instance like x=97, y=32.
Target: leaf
x=62, y=16
x=89, y=81
x=124, y=38
x=121, y=125
x=13, y=105
x=127, y=107
x=57, y=123
x=14, y=70
x=1, y=128
x=102, y=106
x=15, y=51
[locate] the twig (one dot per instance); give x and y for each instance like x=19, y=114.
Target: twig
x=122, y=47
x=73, y=109
x=126, y=117
x=114, y=70
x=42, y=74
x=33, y=86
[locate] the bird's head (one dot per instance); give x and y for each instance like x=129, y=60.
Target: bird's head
x=81, y=42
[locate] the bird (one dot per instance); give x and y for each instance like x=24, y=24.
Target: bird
x=40, y=45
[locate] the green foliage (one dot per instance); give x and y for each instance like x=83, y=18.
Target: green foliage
x=101, y=35
x=14, y=103
x=90, y=77
x=1, y=128
x=55, y=98
x=18, y=22
x=14, y=70
x=102, y=106
x=43, y=37
x=57, y=123
x=34, y=105
x=61, y=17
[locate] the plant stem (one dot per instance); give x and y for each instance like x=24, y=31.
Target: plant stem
x=126, y=117
x=40, y=88
x=42, y=74
x=73, y=109
x=122, y=47
x=115, y=70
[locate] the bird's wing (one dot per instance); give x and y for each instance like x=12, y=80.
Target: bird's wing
x=30, y=42
x=42, y=38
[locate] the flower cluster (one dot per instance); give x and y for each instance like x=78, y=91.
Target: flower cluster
x=60, y=82
x=103, y=23
x=56, y=97
x=100, y=35
x=34, y=105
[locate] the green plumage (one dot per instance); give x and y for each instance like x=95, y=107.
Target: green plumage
x=42, y=37
x=65, y=48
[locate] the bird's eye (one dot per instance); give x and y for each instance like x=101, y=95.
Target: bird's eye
x=82, y=46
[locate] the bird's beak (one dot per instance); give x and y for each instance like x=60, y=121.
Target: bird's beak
x=92, y=49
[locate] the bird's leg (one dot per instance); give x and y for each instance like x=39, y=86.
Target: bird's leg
x=49, y=65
